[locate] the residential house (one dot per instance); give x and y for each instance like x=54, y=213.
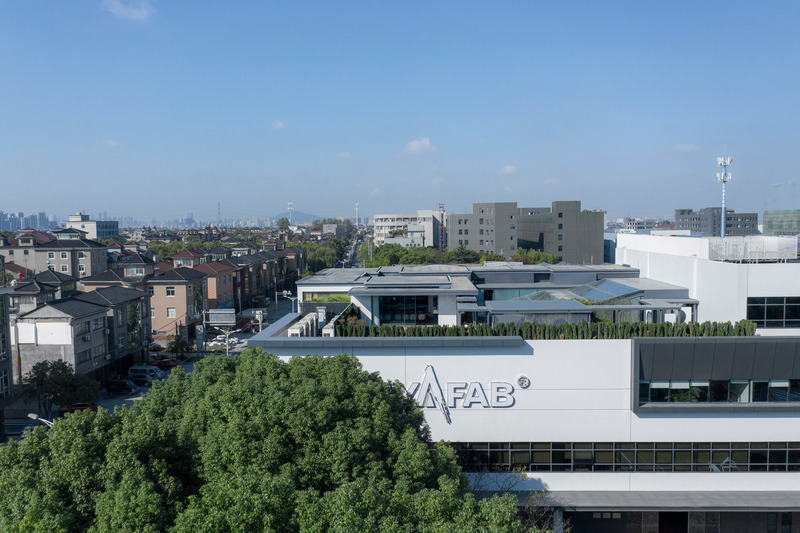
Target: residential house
x=188, y=259
x=219, y=283
x=127, y=321
x=6, y=369
x=179, y=297
x=62, y=330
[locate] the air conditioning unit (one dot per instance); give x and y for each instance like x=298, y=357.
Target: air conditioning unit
x=108, y=357
x=87, y=337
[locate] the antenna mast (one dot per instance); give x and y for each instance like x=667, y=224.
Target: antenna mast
x=723, y=177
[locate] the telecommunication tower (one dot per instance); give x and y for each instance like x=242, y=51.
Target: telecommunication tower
x=289, y=208
x=723, y=177
x=356, y=216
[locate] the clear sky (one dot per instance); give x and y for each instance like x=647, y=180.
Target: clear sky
x=153, y=108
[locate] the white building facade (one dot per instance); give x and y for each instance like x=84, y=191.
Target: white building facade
x=589, y=422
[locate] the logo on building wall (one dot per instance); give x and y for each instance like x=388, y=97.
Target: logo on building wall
x=429, y=394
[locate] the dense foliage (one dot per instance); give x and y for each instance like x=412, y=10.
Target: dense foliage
x=324, y=254
x=394, y=254
x=247, y=444
x=533, y=331
x=52, y=383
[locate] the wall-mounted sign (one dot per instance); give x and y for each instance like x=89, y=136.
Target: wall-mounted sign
x=429, y=394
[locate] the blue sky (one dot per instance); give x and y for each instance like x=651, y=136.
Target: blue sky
x=153, y=108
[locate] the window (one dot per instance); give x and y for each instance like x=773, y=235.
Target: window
x=561, y=215
x=51, y=255
x=560, y=237
x=82, y=269
x=81, y=255
x=560, y=248
x=170, y=291
x=461, y=232
x=466, y=232
x=480, y=231
x=64, y=255
x=150, y=291
x=152, y=313
x=64, y=268
x=82, y=328
x=561, y=226
x=5, y=389
x=480, y=221
x=11, y=252
x=51, y=267
x=170, y=312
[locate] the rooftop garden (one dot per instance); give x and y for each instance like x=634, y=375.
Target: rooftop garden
x=349, y=325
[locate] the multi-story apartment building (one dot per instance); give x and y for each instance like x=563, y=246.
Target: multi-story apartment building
x=708, y=220
x=6, y=369
x=219, y=280
x=95, y=229
x=409, y=230
x=62, y=330
x=179, y=297
x=501, y=228
x=127, y=324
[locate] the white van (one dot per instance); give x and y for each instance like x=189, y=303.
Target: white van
x=153, y=372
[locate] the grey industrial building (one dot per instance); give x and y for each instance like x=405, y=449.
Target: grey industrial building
x=563, y=229
x=708, y=220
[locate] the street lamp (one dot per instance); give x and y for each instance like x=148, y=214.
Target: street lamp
x=288, y=294
x=34, y=416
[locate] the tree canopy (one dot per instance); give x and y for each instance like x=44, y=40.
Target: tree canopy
x=52, y=383
x=249, y=444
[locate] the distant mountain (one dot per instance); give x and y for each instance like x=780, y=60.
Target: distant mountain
x=298, y=217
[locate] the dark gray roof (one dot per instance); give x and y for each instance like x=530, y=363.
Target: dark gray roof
x=69, y=243
x=33, y=287
x=109, y=276
x=110, y=296
x=50, y=277
x=135, y=259
x=219, y=250
x=178, y=275
x=63, y=308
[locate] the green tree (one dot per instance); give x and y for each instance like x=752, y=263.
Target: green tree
x=52, y=383
x=283, y=223
x=250, y=443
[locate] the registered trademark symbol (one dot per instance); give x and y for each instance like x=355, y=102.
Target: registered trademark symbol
x=523, y=382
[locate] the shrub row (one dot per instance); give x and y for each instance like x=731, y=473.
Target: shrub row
x=533, y=331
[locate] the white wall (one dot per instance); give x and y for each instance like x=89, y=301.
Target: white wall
x=448, y=311
x=580, y=391
x=45, y=333
x=721, y=288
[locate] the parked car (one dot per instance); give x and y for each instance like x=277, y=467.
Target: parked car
x=155, y=347
x=141, y=380
x=82, y=406
x=121, y=386
x=166, y=364
x=146, y=370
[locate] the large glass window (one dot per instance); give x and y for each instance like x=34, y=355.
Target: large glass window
x=774, y=312
x=407, y=310
x=735, y=391
x=629, y=456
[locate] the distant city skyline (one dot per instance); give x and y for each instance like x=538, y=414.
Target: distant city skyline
x=153, y=109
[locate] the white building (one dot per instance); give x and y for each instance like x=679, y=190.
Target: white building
x=607, y=426
x=734, y=279
x=95, y=229
x=410, y=230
